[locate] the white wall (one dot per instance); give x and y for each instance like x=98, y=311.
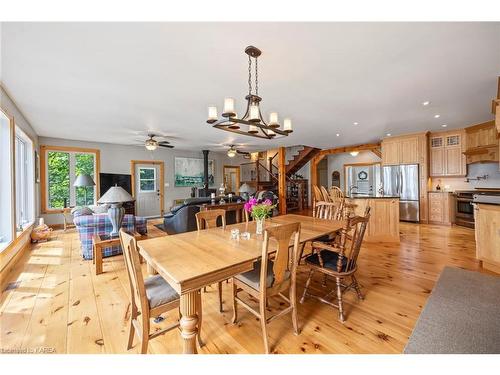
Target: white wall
x=336, y=163
x=116, y=159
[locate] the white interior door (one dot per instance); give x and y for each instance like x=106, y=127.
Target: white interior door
x=147, y=177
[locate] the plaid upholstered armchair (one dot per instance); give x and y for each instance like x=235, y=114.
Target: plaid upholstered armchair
x=90, y=225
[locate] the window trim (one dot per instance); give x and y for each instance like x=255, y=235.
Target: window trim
x=23, y=134
x=43, y=172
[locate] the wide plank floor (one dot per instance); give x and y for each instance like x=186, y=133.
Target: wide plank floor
x=54, y=302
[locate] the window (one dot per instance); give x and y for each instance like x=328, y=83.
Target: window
x=62, y=165
x=25, y=180
x=147, y=179
x=6, y=220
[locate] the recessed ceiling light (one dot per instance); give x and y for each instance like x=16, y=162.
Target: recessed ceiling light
x=355, y=123
x=389, y=134
x=444, y=125
x=437, y=116
x=338, y=135
x=426, y=103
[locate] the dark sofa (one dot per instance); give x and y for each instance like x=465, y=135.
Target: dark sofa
x=182, y=218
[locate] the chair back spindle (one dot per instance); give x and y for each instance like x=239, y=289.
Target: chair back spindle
x=351, y=239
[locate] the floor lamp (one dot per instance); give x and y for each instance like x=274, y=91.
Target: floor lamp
x=84, y=180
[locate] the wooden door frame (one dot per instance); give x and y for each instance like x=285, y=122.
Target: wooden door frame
x=161, y=164
x=238, y=178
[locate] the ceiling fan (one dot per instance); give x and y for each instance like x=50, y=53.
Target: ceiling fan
x=152, y=144
x=233, y=151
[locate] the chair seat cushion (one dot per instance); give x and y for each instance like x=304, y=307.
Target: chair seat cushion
x=158, y=291
x=329, y=258
x=252, y=278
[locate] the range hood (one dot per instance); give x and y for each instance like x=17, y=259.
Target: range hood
x=481, y=154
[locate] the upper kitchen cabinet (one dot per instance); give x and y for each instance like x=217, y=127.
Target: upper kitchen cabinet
x=482, y=143
x=402, y=150
x=446, y=154
x=495, y=107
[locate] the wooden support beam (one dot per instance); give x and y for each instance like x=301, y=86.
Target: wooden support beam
x=282, y=181
x=340, y=150
x=377, y=151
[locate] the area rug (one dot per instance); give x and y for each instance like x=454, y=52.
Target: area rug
x=461, y=316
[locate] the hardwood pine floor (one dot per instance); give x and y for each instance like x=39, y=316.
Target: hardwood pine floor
x=55, y=303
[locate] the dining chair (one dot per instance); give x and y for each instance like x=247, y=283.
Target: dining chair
x=336, y=193
x=271, y=277
x=325, y=194
x=317, y=196
x=206, y=220
x=150, y=297
x=338, y=260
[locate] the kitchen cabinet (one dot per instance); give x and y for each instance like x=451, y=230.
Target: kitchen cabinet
x=400, y=150
x=487, y=217
x=482, y=143
x=441, y=208
x=446, y=154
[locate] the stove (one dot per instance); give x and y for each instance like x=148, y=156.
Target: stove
x=464, y=213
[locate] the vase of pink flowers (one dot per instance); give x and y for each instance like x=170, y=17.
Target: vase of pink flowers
x=259, y=212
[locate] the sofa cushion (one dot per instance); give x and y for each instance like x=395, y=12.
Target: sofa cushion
x=252, y=278
x=158, y=291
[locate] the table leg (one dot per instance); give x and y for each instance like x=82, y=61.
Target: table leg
x=189, y=322
x=98, y=260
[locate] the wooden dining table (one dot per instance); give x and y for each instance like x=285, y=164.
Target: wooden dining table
x=190, y=261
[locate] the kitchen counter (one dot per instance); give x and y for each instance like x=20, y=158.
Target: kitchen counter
x=371, y=196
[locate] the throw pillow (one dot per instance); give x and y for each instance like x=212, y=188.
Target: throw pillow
x=81, y=211
x=101, y=209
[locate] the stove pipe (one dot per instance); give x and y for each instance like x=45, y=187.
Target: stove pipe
x=205, y=172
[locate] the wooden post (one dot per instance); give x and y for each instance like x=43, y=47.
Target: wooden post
x=282, y=181
x=314, y=172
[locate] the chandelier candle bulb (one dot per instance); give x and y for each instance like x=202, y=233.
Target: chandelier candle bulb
x=254, y=113
x=273, y=120
x=287, y=125
x=212, y=114
x=252, y=129
x=271, y=133
x=228, y=107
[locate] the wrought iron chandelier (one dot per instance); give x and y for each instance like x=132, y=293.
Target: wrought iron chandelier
x=252, y=122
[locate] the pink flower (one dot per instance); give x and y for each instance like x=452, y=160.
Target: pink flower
x=249, y=205
x=268, y=202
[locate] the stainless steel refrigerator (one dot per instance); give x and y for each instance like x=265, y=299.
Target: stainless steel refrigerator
x=402, y=181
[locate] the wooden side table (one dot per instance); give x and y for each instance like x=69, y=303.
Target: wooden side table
x=100, y=242
x=228, y=206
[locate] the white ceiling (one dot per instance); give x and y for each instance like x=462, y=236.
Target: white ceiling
x=103, y=81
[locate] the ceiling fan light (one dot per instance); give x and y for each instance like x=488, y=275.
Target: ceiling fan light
x=151, y=144
x=229, y=108
x=231, y=152
x=354, y=153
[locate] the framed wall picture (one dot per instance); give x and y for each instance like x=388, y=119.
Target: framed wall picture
x=189, y=172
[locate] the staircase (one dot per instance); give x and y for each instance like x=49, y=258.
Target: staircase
x=299, y=156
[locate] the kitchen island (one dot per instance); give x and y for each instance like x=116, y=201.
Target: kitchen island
x=487, y=218
x=384, y=216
